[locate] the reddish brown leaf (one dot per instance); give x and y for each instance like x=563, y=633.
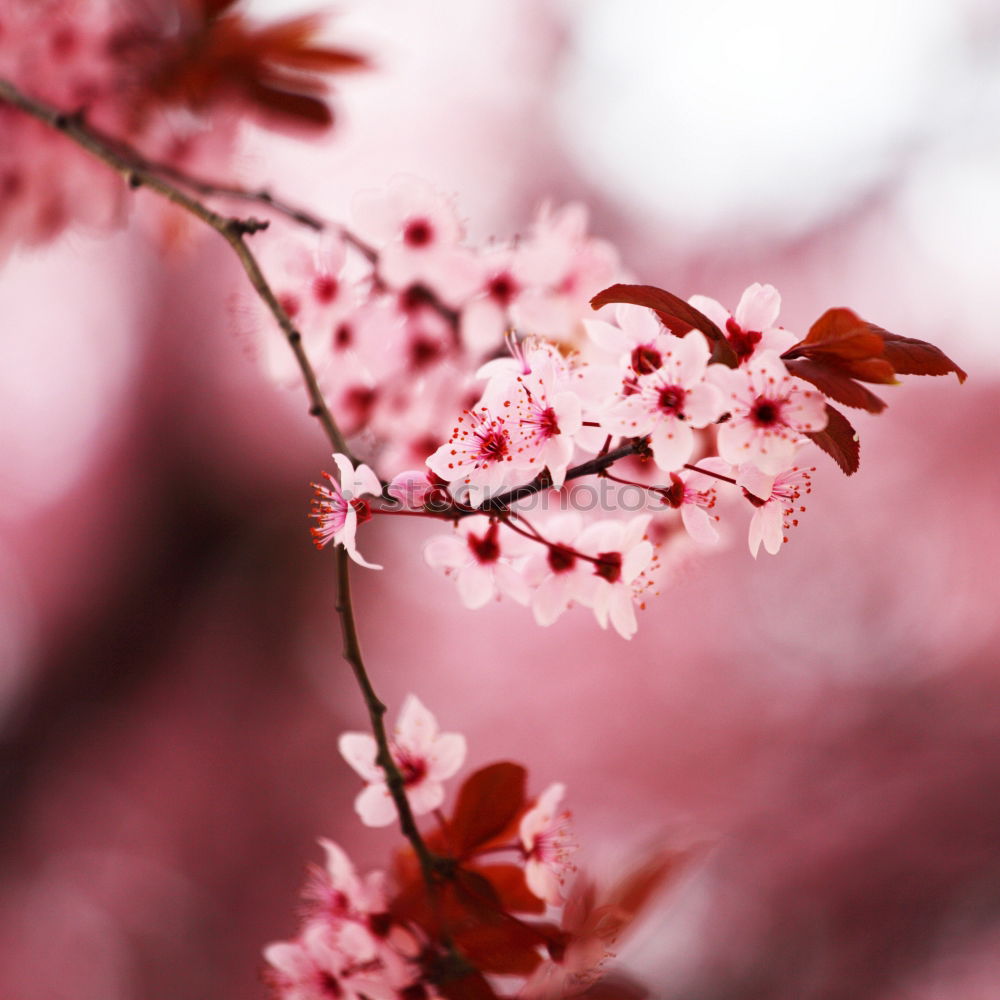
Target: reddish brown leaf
x=916, y=357
x=487, y=802
x=839, y=440
x=472, y=986
x=839, y=333
x=511, y=888
x=835, y=383
x=299, y=107
x=678, y=316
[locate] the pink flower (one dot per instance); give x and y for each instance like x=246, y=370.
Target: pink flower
x=563, y=268
x=336, y=961
x=695, y=503
x=337, y=509
x=338, y=892
x=417, y=233
x=547, y=845
x=557, y=574
x=425, y=757
x=669, y=401
x=485, y=316
x=770, y=412
x=483, y=562
x=751, y=329
x=776, y=503
x=535, y=388
x=637, y=341
x=478, y=458
x=624, y=556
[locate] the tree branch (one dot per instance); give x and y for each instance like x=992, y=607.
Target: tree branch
x=138, y=173
x=233, y=230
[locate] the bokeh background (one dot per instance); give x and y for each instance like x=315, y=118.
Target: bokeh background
x=826, y=723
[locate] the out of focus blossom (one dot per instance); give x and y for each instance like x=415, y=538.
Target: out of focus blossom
x=425, y=756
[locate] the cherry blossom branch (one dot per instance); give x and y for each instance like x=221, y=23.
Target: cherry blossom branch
x=138, y=173
x=233, y=230
x=502, y=501
x=376, y=713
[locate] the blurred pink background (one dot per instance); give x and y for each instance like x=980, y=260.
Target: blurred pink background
x=826, y=722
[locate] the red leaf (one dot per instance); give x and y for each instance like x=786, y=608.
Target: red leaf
x=487, y=802
x=839, y=440
x=840, y=333
x=835, y=383
x=472, y=986
x=301, y=108
x=511, y=888
x=678, y=316
x=916, y=357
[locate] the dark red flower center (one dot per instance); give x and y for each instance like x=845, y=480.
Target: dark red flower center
x=742, y=341
x=325, y=288
x=766, y=412
x=548, y=423
x=363, y=508
x=343, y=336
x=646, y=359
x=671, y=400
x=418, y=233
x=561, y=559
x=502, y=288
x=609, y=566
x=424, y=351
x=486, y=549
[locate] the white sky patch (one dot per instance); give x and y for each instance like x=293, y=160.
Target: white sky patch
x=723, y=116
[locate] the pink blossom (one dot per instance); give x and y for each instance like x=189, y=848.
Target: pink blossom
x=776, y=504
x=417, y=232
x=535, y=388
x=478, y=458
x=338, y=892
x=547, y=845
x=770, y=412
x=695, y=497
x=624, y=558
x=556, y=573
x=751, y=329
x=563, y=268
x=637, y=341
x=485, y=316
x=483, y=561
x=336, y=961
x=337, y=508
x=669, y=401
x=425, y=757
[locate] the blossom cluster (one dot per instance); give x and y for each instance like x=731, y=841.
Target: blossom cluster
x=486, y=376
x=507, y=900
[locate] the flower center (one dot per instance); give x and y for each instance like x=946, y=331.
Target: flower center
x=492, y=445
x=343, y=336
x=486, y=549
x=671, y=400
x=325, y=288
x=561, y=559
x=609, y=566
x=502, y=289
x=742, y=341
x=418, y=233
x=646, y=360
x=363, y=509
x=424, y=351
x=765, y=412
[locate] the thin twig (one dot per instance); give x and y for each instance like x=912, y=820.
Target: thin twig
x=502, y=501
x=233, y=230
